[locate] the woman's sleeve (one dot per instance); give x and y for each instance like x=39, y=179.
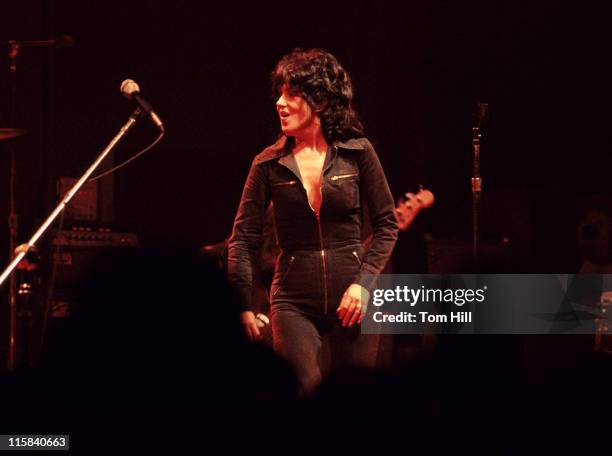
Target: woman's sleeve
x=246, y=235
x=377, y=195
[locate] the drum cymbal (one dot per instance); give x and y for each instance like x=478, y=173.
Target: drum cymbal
x=6, y=133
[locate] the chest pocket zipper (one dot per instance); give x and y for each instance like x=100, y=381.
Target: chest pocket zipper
x=278, y=184
x=291, y=260
x=342, y=176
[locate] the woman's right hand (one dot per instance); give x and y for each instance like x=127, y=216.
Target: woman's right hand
x=249, y=323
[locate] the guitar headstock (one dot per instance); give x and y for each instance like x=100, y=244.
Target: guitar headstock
x=410, y=205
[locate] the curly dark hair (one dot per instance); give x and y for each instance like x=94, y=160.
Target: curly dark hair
x=316, y=76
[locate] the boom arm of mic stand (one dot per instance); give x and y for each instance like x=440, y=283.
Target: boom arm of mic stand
x=66, y=199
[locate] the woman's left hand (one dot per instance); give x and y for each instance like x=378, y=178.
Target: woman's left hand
x=354, y=304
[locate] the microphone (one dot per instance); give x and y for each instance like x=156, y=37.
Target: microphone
x=261, y=320
x=131, y=90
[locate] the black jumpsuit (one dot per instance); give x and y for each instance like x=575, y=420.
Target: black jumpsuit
x=321, y=254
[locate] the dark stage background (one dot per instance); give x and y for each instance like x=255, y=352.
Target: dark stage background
x=418, y=68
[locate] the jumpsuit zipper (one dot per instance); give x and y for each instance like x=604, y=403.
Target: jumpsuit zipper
x=322, y=244
x=318, y=216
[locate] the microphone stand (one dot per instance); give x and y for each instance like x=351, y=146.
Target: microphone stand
x=477, y=182
x=24, y=248
x=13, y=218
x=14, y=47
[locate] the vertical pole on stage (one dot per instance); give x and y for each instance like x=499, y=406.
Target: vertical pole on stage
x=13, y=220
x=479, y=119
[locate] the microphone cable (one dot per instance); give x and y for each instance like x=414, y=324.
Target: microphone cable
x=129, y=160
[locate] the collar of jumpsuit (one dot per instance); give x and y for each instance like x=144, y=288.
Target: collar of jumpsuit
x=282, y=149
